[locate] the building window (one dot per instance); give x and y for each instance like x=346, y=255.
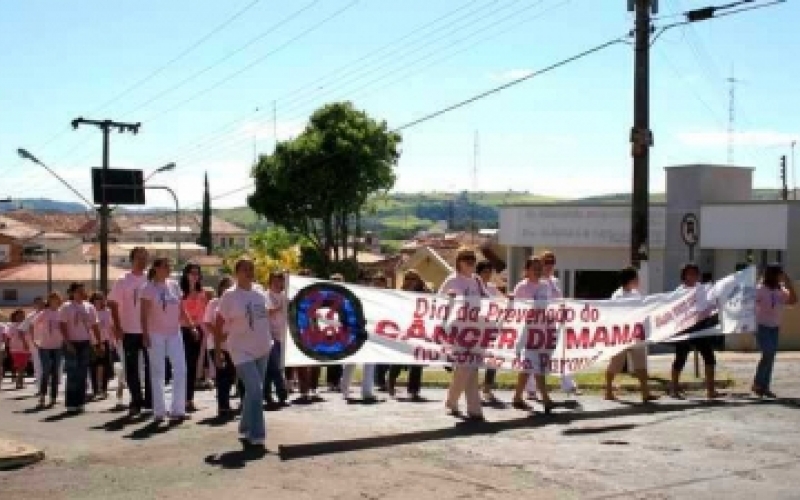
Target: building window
x=10, y=295
x=230, y=242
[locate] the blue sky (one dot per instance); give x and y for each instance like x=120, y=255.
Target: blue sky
x=562, y=134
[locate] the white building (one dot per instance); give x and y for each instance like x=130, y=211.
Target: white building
x=592, y=242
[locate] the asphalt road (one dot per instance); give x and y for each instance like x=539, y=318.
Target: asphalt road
x=738, y=448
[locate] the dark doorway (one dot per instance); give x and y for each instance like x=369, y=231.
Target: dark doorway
x=595, y=284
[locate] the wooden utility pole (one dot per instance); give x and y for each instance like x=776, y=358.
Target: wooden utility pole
x=106, y=126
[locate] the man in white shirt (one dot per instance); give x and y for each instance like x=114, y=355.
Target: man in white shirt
x=125, y=304
x=28, y=326
x=629, y=289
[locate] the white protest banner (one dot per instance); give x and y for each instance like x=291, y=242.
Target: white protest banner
x=334, y=323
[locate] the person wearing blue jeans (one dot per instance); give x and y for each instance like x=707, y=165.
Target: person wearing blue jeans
x=242, y=320
x=274, y=377
x=252, y=425
x=76, y=364
x=773, y=293
x=51, y=372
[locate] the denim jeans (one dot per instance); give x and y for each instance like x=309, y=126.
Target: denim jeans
x=767, y=339
x=275, y=375
x=76, y=364
x=51, y=371
x=252, y=425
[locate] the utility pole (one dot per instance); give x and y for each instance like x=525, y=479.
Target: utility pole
x=106, y=126
x=732, y=81
x=641, y=137
x=784, y=183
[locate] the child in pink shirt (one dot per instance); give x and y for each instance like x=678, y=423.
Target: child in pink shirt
x=19, y=347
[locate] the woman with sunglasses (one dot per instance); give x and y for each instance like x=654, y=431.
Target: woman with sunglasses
x=162, y=315
x=194, y=302
x=464, y=283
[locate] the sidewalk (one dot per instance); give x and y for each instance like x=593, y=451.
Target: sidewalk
x=14, y=454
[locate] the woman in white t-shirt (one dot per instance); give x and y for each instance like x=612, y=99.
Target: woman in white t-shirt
x=464, y=283
x=536, y=288
x=51, y=344
x=629, y=289
x=162, y=312
x=243, y=317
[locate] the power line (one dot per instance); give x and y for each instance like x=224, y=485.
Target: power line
x=478, y=97
x=361, y=67
x=225, y=144
x=154, y=73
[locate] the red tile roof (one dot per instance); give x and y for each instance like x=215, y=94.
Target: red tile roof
x=37, y=272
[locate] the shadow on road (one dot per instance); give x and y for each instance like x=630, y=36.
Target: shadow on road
x=236, y=459
x=218, y=421
x=62, y=416
x=152, y=429
x=464, y=429
x=119, y=423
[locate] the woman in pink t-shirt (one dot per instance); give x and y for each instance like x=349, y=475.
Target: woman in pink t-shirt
x=773, y=293
x=18, y=347
x=464, y=283
x=51, y=344
x=162, y=313
x=194, y=302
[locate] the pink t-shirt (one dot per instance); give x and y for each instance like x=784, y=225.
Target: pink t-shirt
x=246, y=323
x=463, y=286
x=533, y=290
x=278, y=320
x=769, y=305
x=165, y=307
x=14, y=338
x=195, y=306
x=126, y=293
x=47, y=329
x=210, y=317
x=79, y=317
x=106, y=324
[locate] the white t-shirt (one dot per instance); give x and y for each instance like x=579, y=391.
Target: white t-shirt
x=164, y=317
x=210, y=317
x=463, y=286
x=106, y=324
x=555, y=287
x=80, y=318
x=126, y=292
x=246, y=323
x=621, y=293
x=278, y=321
x=533, y=290
x=47, y=329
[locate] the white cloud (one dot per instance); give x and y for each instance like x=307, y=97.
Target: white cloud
x=744, y=138
x=512, y=74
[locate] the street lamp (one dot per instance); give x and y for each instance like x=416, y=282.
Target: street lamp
x=26, y=155
x=169, y=167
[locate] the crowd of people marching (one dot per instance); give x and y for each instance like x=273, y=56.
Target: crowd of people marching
x=152, y=330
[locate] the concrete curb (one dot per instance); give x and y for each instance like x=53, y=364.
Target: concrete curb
x=14, y=454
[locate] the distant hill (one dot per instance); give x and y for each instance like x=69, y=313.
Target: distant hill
x=43, y=205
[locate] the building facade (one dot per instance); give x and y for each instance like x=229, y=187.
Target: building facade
x=709, y=217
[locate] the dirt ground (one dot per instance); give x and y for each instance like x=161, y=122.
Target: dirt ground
x=590, y=448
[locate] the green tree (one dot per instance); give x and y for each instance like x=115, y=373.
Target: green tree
x=317, y=184
x=205, y=238
x=273, y=241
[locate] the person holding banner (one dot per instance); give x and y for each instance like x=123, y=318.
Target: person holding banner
x=412, y=282
x=629, y=289
x=243, y=316
x=278, y=317
x=690, y=278
x=464, y=283
x=483, y=272
x=773, y=293
x=367, y=369
x=536, y=288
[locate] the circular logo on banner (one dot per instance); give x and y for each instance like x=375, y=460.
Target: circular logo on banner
x=327, y=322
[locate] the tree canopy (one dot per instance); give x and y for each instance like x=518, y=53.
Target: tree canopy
x=316, y=184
